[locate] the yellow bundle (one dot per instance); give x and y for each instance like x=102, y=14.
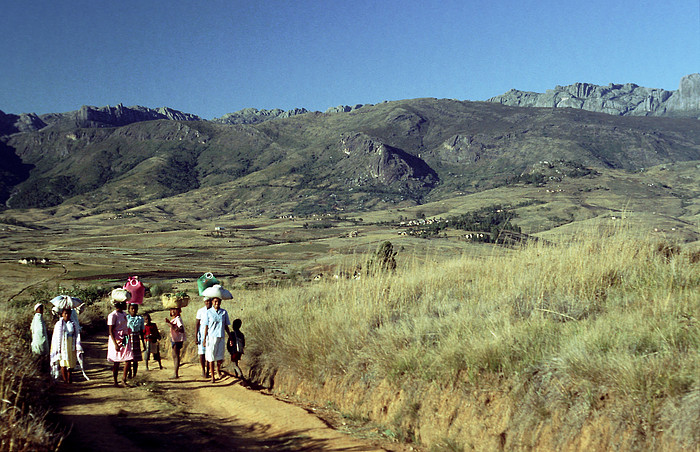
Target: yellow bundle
x=175, y=300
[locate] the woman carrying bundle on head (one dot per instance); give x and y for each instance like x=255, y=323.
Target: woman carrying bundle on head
x=177, y=338
x=119, y=346
x=216, y=329
x=215, y=332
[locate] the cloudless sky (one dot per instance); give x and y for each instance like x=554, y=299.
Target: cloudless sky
x=215, y=57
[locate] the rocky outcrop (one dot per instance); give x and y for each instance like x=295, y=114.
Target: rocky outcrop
x=687, y=98
x=346, y=108
x=615, y=99
x=254, y=116
x=120, y=115
x=370, y=162
x=90, y=117
x=26, y=122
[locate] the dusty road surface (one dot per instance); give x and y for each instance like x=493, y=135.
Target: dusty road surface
x=158, y=413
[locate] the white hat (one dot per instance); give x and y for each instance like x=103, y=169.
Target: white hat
x=36, y=306
x=216, y=291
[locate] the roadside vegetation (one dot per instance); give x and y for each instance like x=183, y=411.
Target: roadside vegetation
x=25, y=385
x=24, y=390
x=602, y=321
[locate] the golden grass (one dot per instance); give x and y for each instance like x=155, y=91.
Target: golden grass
x=598, y=317
x=23, y=391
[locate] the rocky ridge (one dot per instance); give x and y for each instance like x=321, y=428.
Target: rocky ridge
x=108, y=116
x=615, y=99
x=89, y=117
x=346, y=108
x=254, y=116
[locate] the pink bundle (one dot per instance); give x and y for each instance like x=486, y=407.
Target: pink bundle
x=136, y=288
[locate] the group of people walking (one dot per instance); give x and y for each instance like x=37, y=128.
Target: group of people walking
x=133, y=337
x=130, y=335
x=65, y=349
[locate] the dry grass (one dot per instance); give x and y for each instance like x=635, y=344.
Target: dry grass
x=23, y=391
x=602, y=317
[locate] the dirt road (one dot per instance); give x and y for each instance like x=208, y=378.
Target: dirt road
x=190, y=413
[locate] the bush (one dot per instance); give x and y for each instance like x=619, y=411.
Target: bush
x=160, y=288
x=384, y=259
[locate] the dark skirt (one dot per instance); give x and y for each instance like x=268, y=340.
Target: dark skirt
x=136, y=347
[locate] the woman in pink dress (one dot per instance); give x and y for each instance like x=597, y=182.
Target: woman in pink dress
x=119, y=347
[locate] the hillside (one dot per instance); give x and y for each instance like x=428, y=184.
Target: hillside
x=400, y=153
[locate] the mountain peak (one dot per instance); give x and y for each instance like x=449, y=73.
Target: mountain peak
x=627, y=99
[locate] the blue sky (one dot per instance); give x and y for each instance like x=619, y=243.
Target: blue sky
x=214, y=57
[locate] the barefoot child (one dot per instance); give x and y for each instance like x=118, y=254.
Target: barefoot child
x=235, y=346
x=136, y=325
x=177, y=338
x=152, y=338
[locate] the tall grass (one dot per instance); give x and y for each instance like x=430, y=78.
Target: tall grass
x=600, y=317
x=23, y=392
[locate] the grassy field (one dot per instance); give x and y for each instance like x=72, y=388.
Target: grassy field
x=593, y=328
x=596, y=325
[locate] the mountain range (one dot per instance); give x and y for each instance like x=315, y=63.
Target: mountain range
x=349, y=158
x=626, y=99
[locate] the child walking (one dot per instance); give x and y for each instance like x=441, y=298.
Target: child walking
x=152, y=337
x=177, y=338
x=235, y=346
x=136, y=325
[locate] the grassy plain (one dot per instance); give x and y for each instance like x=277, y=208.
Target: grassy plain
x=593, y=328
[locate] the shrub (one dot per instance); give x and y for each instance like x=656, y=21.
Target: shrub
x=158, y=289
x=384, y=259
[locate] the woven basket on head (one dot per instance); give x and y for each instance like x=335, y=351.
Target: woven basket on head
x=172, y=300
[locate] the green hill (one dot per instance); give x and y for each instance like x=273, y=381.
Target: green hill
x=394, y=154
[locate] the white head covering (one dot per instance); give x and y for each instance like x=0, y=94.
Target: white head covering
x=216, y=291
x=60, y=302
x=36, y=306
x=120, y=295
